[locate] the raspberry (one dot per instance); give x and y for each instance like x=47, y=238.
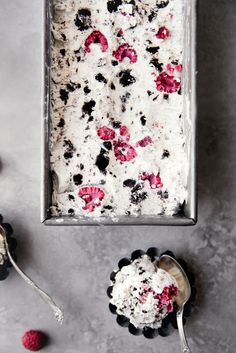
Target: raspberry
x=92, y=196
x=34, y=340
x=126, y=51
x=124, y=151
x=124, y=133
x=94, y=37
x=105, y=133
x=163, y=33
x=167, y=83
x=144, y=142
x=154, y=180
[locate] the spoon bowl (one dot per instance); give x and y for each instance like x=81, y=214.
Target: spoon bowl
x=170, y=265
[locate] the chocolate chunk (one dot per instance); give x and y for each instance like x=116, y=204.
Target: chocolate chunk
x=166, y=96
x=102, y=161
x=165, y=154
x=87, y=90
x=68, y=155
x=152, y=50
x=114, y=63
x=137, y=198
x=113, y=5
x=81, y=166
x=88, y=107
x=63, y=36
x=125, y=97
x=71, y=197
x=61, y=123
x=113, y=87
x=71, y=211
x=70, y=87
x=107, y=145
x=69, y=144
x=162, y=4
x=78, y=179
x=64, y=95
x=156, y=64
x=143, y=120
x=126, y=79
x=83, y=19
x=63, y=52
x=116, y=124
x=130, y=183
x=100, y=78
x=108, y=207
x=152, y=15
x=136, y=188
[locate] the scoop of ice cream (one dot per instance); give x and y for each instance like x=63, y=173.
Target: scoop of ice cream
x=144, y=293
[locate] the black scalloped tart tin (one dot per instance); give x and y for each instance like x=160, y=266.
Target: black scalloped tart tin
x=12, y=243
x=169, y=323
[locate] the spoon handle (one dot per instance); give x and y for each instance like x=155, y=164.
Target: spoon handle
x=184, y=344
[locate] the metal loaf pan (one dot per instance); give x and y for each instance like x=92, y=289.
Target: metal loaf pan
x=188, y=215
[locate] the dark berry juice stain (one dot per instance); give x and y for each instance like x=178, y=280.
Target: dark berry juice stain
x=83, y=19
x=155, y=62
x=126, y=79
x=100, y=78
x=78, y=179
x=113, y=5
x=102, y=161
x=88, y=107
x=130, y=183
x=64, y=95
x=152, y=50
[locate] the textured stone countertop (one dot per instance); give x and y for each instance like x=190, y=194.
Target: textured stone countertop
x=73, y=263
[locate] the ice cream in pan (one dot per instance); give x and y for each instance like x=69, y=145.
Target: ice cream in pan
x=143, y=295
x=117, y=139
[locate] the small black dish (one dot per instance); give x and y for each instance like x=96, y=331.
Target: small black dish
x=169, y=323
x=12, y=243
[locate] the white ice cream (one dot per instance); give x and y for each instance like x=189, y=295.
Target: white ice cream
x=135, y=293
x=145, y=111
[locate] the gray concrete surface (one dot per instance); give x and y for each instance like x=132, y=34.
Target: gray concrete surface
x=74, y=263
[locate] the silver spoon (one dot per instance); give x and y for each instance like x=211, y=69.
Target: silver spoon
x=170, y=265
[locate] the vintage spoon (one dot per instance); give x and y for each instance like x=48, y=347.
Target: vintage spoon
x=170, y=265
